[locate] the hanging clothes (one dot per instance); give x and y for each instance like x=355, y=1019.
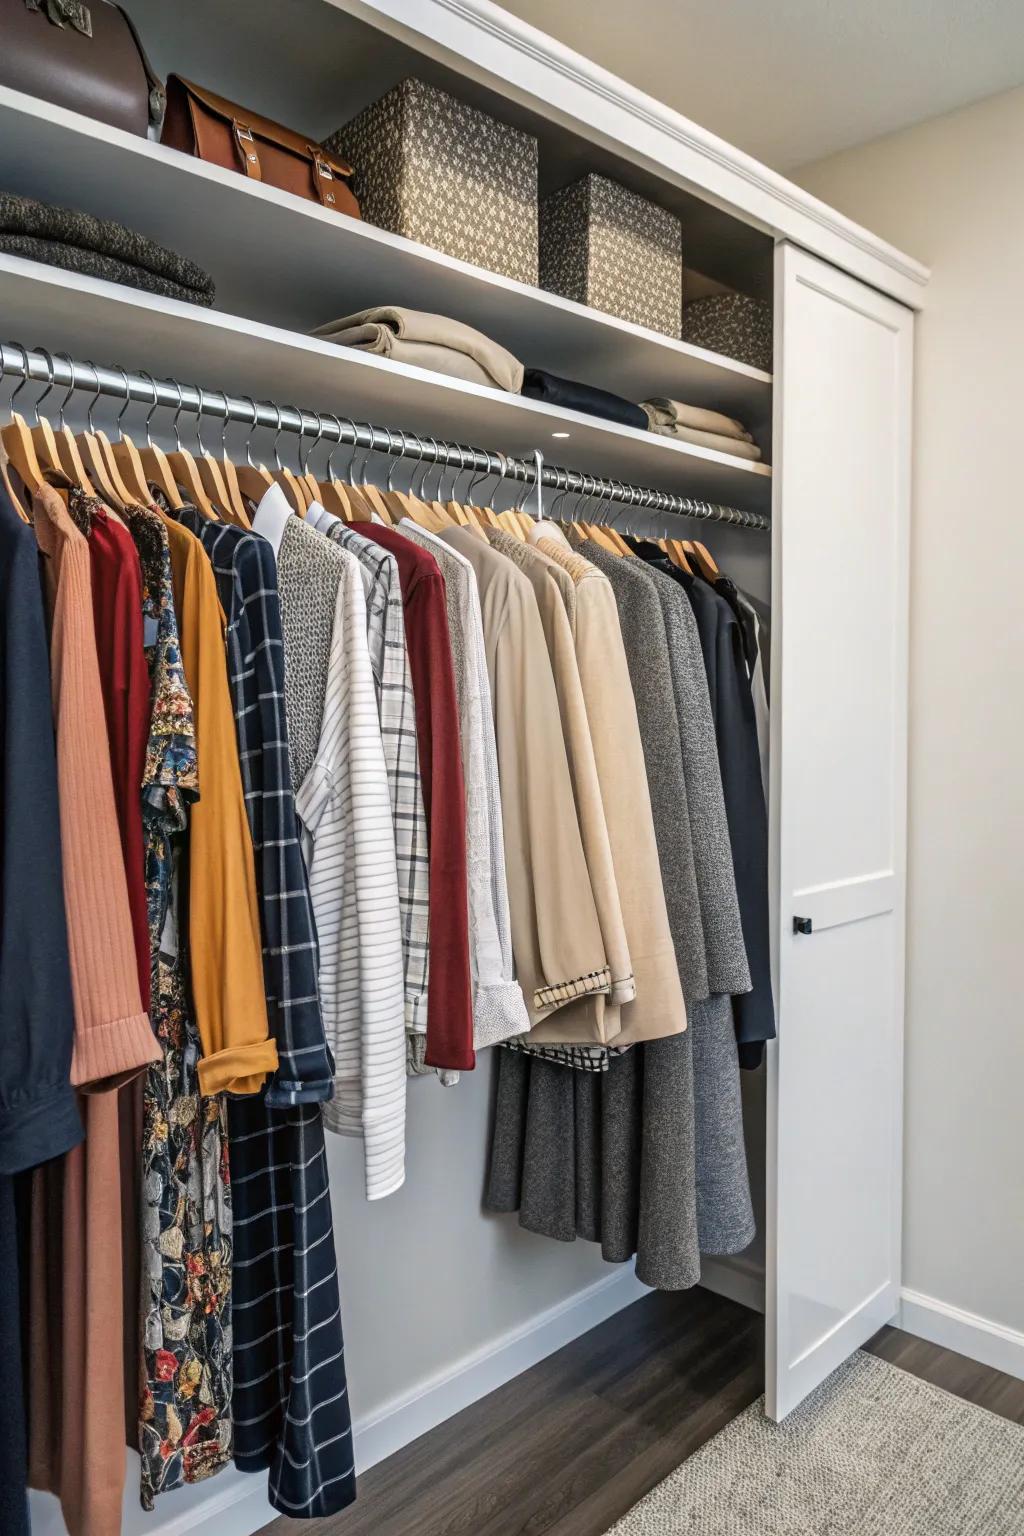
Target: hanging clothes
x=184, y=1411
x=290, y=1405
x=345, y=808
x=499, y=1010
x=736, y=732
x=396, y=712
x=450, y=988
x=77, y=1417
x=725, y=1216
x=538, y=568
x=556, y=935
x=39, y=1118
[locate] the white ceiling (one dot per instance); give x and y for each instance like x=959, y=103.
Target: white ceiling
x=793, y=80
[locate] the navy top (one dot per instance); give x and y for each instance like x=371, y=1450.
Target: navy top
x=38, y=1112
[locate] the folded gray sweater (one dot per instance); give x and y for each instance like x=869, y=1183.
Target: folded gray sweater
x=77, y=242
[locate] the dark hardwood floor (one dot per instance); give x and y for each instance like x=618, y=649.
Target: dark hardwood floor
x=568, y=1447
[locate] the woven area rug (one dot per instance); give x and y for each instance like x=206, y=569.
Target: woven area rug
x=873, y=1452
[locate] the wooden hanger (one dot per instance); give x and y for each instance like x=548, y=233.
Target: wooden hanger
x=331, y=493
x=185, y=469
x=285, y=477
x=155, y=467
x=124, y=457
x=703, y=559
x=219, y=476
x=18, y=444
x=254, y=481
x=8, y=484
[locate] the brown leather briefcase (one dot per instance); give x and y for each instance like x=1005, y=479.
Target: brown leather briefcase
x=86, y=57
x=213, y=129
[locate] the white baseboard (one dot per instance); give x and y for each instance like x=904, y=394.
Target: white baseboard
x=236, y=1504
x=965, y=1332
x=406, y=1417
x=737, y=1278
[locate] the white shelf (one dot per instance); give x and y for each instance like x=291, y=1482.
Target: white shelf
x=291, y=263
x=63, y=311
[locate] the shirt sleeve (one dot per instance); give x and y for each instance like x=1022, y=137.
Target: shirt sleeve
x=345, y=808
x=113, y=1037
x=223, y=924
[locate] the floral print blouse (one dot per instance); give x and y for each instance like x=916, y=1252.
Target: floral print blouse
x=185, y=1402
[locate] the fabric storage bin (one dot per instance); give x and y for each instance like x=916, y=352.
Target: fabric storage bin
x=604, y=246
x=734, y=324
x=433, y=169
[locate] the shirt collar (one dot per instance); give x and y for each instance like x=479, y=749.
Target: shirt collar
x=320, y=517
x=271, y=517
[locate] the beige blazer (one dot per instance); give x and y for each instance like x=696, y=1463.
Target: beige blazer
x=537, y=567
x=556, y=936
x=659, y=1008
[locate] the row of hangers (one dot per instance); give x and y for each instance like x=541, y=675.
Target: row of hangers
x=121, y=474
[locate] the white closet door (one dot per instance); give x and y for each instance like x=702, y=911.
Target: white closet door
x=839, y=684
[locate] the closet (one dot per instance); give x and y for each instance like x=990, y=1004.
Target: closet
x=825, y=541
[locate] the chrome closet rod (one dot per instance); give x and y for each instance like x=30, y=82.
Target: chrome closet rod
x=61, y=370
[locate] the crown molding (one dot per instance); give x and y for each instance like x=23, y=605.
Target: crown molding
x=482, y=40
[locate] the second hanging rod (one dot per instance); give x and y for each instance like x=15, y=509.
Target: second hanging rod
x=60, y=370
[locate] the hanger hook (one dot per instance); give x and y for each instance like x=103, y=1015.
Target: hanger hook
x=177, y=412
x=252, y=428
x=49, y=381
x=328, y=470
x=150, y=413
x=277, y=433
x=224, y=426
x=127, y=396
x=478, y=479
x=24, y=375
x=95, y=395
x=304, y=457
x=394, y=462
x=199, y=421
x=65, y=357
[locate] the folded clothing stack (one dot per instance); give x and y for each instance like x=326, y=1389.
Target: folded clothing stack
x=693, y=424
x=573, y=396
x=76, y=242
x=427, y=341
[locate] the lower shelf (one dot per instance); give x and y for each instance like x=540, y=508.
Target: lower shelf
x=42, y=306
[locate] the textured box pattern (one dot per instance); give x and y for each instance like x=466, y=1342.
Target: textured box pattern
x=433, y=169
x=733, y=324
x=607, y=247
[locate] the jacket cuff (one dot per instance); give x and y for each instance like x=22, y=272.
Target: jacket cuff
x=499, y=1013
x=107, y=1055
x=282, y=1093
x=547, y=998
x=238, y=1069
x=35, y=1130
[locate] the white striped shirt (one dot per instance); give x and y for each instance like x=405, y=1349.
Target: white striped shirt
x=345, y=808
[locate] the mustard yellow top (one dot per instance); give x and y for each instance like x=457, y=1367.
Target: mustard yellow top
x=225, y=954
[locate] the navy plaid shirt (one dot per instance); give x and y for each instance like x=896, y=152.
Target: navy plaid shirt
x=290, y=1405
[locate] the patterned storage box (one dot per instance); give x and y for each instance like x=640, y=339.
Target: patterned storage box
x=435, y=170
x=602, y=245
x=734, y=324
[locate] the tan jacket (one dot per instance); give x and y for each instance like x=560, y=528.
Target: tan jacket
x=556, y=936
x=659, y=1008
x=538, y=568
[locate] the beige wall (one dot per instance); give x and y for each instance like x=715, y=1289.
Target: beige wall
x=951, y=191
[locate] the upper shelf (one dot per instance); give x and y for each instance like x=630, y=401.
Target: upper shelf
x=291, y=263
x=119, y=326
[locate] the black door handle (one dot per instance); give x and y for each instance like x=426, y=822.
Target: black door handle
x=802, y=925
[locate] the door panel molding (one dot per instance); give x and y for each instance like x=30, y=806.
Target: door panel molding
x=841, y=513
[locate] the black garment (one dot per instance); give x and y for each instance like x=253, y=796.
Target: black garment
x=39, y=1116
x=38, y=1113
x=732, y=706
x=573, y=396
